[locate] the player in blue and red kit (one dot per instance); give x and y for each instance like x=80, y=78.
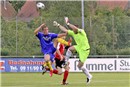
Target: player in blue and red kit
x=47, y=47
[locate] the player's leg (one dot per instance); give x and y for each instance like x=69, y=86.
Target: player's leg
x=65, y=76
x=82, y=56
x=85, y=71
x=58, y=66
x=62, y=41
x=69, y=53
x=48, y=62
x=44, y=66
x=57, y=70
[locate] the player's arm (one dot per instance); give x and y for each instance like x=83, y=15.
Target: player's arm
x=38, y=29
x=73, y=27
x=61, y=35
x=60, y=26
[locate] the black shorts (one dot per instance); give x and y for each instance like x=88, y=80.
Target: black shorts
x=59, y=63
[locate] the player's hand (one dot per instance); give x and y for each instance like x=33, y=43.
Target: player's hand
x=56, y=24
x=70, y=41
x=61, y=58
x=67, y=20
x=42, y=24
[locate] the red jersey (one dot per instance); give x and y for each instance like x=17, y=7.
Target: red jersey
x=61, y=49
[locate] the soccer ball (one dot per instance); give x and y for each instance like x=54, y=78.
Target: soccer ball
x=40, y=5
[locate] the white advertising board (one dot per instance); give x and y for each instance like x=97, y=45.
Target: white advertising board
x=102, y=65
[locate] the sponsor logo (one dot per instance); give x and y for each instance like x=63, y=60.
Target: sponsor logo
x=93, y=65
x=2, y=67
x=99, y=66
x=124, y=64
x=105, y=65
x=22, y=62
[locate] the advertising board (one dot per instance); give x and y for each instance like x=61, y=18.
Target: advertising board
x=93, y=65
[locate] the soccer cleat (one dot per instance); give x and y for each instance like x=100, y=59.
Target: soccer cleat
x=44, y=70
x=43, y=67
x=51, y=73
x=64, y=83
x=89, y=79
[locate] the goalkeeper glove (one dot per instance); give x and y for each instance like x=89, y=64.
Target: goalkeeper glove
x=56, y=24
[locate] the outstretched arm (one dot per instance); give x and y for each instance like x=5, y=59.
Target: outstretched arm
x=61, y=35
x=60, y=26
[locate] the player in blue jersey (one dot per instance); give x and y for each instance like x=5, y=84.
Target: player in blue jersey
x=47, y=47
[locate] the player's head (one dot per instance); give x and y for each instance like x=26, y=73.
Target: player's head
x=45, y=29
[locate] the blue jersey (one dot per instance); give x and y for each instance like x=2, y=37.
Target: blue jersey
x=47, y=46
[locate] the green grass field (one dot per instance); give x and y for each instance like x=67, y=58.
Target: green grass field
x=74, y=79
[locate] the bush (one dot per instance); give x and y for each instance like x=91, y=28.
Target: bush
x=101, y=50
x=125, y=51
x=4, y=52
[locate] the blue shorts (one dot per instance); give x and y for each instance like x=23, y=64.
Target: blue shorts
x=50, y=50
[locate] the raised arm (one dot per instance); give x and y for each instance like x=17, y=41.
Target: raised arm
x=60, y=26
x=38, y=29
x=73, y=27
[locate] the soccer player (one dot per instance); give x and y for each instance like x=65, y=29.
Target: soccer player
x=47, y=46
x=60, y=61
x=82, y=47
x=60, y=43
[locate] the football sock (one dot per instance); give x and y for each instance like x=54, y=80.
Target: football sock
x=62, y=41
x=49, y=65
x=68, y=55
x=45, y=64
x=65, y=75
x=86, y=72
x=55, y=71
